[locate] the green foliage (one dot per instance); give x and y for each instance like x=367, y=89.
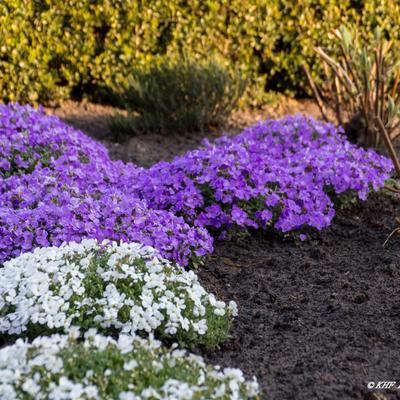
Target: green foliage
x=178, y=96
x=53, y=49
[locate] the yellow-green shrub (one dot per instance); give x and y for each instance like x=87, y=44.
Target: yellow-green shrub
x=52, y=49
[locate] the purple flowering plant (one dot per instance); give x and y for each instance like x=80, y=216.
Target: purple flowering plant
x=283, y=175
x=29, y=139
x=57, y=184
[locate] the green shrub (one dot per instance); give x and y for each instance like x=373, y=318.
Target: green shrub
x=54, y=49
x=178, y=96
x=51, y=50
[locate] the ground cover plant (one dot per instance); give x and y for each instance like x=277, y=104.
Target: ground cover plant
x=282, y=174
x=58, y=185
x=276, y=174
x=60, y=367
x=126, y=288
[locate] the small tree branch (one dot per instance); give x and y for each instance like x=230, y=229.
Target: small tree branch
x=317, y=97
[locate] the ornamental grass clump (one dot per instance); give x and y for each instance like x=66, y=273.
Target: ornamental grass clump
x=57, y=185
x=125, y=288
x=282, y=175
x=100, y=368
x=361, y=86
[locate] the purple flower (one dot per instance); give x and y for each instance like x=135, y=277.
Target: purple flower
x=275, y=172
x=239, y=216
x=56, y=184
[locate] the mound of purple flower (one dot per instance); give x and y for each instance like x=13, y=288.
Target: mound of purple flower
x=57, y=185
x=280, y=174
x=29, y=138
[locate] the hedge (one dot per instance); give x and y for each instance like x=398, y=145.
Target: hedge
x=55, y=49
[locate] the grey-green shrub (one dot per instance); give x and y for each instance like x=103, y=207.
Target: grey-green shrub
x=178, y=96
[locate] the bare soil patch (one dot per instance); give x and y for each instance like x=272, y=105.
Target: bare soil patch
x=320, y=319
x=150, y=148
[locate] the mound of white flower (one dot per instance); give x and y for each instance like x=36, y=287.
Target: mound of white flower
x=126, y=288
x=130, y=368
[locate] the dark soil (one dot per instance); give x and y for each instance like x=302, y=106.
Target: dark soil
x=149, y=148
x=144, y=150
x=320, y=319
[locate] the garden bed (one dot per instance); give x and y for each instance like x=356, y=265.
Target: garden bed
x=317, y=319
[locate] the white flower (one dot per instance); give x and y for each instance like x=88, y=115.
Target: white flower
x=130, y=365
x=149, y=392
x=233, y=308
x=31, y=387
x=128, y=396
x=252, y=387
x=201, y=326
x=125, y=344
x=49, y=287
x=19, y=362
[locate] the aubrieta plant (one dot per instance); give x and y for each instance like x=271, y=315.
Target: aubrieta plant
x=102, y=368
x=58, y=185
x=276, y=174
x=124, y=287
x=29, y=138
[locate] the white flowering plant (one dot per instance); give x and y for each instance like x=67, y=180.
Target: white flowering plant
x=98, y=367
x=114, y=287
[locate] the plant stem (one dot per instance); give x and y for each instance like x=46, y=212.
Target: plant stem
x=389, y=145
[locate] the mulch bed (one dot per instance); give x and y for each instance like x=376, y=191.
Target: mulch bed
x=144, y=150
x=317, y=320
